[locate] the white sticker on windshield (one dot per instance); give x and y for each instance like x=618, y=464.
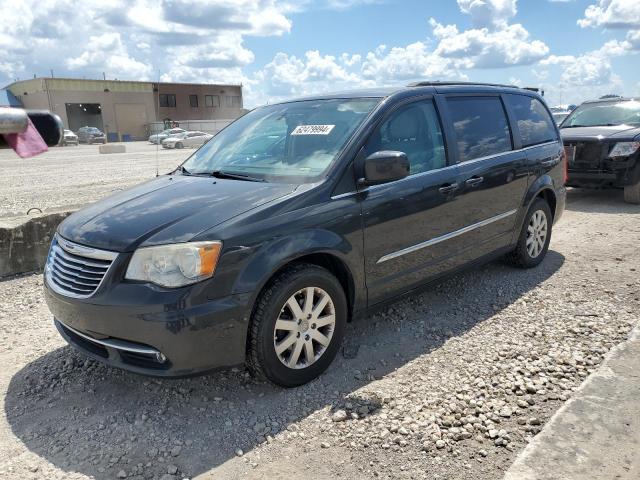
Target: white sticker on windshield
x=312, y=130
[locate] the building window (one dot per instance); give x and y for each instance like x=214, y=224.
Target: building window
x=193, y=101
x=233, y=101
x=212, y=101
x=168, y=100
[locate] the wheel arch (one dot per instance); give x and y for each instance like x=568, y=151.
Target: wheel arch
x=329, y=261
x=317, y=247
x=543, y=188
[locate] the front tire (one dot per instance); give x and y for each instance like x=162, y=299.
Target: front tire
x=297, y=326
x=179, y=145
x=533, y=242
x=632, y=193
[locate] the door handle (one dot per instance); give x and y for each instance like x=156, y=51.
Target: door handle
x=448, y=188
x=473, y=181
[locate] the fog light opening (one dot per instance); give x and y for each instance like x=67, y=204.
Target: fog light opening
x=160, y=357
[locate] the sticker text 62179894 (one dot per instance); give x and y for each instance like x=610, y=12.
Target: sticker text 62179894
x=312, y=130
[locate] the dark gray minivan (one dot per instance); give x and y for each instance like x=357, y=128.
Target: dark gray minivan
x=301, y=215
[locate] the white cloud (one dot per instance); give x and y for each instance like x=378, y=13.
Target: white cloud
x=206, y=41
x=484, y=48
x=133, y=39
x=588, y=75
x=107, y=52
x=612, y=14
x=489, y=13
x=344, y=4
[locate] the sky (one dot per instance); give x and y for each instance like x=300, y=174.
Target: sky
x=573, y=49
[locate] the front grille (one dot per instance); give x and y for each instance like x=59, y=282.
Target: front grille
x=75, y=270
x=589, y=154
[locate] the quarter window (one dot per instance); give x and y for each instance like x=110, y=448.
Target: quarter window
x=534, y=123
x=480, y=125
x=193, y=101
x=167, y=100
x=212, y=101
x=414, y=130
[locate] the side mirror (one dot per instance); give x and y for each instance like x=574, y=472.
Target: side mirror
x=385, y=166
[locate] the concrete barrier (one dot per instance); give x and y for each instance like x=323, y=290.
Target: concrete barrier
x=113, y=148
x=24, y=242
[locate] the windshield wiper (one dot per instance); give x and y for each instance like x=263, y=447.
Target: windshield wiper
x=574, y=126
x=236, y=176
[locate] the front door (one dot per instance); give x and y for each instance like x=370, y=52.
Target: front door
x=406, y=222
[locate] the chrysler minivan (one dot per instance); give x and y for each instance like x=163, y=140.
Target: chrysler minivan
x=300, y=216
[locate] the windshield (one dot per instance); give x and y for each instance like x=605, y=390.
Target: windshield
x=290, y=142
x=609, y=113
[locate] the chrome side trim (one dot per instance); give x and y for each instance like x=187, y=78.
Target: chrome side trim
x=117, y=344
x=447, y=236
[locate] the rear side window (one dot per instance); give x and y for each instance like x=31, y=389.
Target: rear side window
x=480, y=125
x=534, y=122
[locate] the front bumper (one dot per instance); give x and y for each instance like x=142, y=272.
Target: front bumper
x=160, y=334
x=594, y=178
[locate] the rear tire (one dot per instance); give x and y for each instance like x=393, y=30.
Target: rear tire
x=632, y=193
x=290, y=346
x=534, y=238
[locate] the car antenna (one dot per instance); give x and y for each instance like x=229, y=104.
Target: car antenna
x=158, y=113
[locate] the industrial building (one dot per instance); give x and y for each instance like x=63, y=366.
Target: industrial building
x=125, y=110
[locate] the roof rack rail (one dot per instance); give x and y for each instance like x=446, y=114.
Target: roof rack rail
x=445, y=83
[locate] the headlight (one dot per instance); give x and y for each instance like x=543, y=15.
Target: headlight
x=174, y=265
x=624, y=149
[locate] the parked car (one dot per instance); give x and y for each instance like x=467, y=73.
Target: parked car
x=603, y=144
x=69, y=138
x=300, y=216
x=186, y=139
x=559, y=117
x=91, y=135
x=159, y=137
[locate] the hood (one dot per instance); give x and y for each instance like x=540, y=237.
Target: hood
x=620, y=133
x=168, y=209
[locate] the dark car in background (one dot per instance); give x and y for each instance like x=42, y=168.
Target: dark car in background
x=602, y=139
x=91, y=135
x=300, y=216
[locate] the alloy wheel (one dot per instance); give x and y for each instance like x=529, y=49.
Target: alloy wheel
x=536, y=233
x=304, y=327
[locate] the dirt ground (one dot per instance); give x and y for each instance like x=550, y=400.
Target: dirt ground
x=65, y=178
x=448, y=384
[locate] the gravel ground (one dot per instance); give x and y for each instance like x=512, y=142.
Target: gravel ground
x=447, y=384
x=68, y=177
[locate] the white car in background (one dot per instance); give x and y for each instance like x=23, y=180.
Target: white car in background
x=186, y=139
x=69, y=138
x=159, y=137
